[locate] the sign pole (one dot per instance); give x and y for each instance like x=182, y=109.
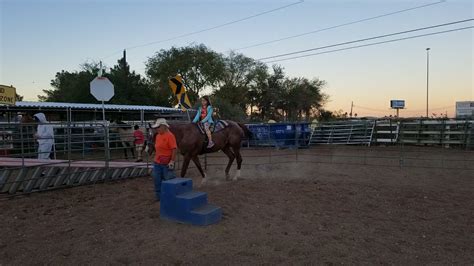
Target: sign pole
x=103, y=90
x=103, y=112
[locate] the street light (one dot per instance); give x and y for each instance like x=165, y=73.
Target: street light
x=427, y=77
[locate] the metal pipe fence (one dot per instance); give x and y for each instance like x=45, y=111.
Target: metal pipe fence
x=81, y=153
x=294, y=146
x=91, y=152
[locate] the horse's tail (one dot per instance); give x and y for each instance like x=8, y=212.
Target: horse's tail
x=247, y=132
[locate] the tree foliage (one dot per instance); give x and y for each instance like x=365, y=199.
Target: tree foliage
x=199, y=66
x=129, y=87
x=71, y=86
x=240, y=87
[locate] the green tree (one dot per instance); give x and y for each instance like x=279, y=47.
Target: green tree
x=223, y=109
x=129, y=87
x=199, y=66
x=239, y=76
x=72, y=86
x=268, y=93
x=303, y=97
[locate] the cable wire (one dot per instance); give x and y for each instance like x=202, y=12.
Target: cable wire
x=340, y=25
x=366, y=45
x=207, y=29
x=368, y=39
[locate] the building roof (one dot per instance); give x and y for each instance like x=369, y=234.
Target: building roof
x=93, y=106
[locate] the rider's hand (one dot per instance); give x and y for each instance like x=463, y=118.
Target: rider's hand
x=171, y=165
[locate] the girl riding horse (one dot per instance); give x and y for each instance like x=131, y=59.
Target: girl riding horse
x=204, y=116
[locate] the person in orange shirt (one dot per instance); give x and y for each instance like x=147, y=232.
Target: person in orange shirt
x=165, y=154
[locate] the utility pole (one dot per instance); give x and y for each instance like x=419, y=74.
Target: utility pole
x=352, y=105
x=100, y=69
x=427, y=77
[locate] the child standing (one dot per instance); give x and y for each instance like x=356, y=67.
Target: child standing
x=139, y=141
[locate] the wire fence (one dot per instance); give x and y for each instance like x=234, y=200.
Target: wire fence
x=437, y=145
x=90, y=152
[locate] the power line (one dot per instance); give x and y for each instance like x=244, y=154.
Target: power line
x=367, y=39
x=207, y=29
x=372, y=109
x=340, y=25
x=370, y=44
x=431, y=109
x=404, y=110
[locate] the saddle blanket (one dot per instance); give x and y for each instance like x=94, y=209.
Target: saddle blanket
x=214, y=128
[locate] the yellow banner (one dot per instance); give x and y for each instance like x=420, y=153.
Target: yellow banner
x=179, y=90
x=7, y=95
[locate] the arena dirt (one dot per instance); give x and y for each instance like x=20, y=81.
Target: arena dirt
x=292, y=213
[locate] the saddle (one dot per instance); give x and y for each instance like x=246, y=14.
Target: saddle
x=214, y=128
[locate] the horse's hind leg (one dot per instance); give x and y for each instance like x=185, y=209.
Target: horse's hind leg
x=239, y=160
x=186, y=160
x=198, y=165
x=132, y=149
x=231, y=156
x=124, y=145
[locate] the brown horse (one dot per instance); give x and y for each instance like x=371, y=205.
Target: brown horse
x=191, y=143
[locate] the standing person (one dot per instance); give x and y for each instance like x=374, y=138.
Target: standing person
x=204, y=116
x=139, y=141
x=44, y=135
x=165, y=153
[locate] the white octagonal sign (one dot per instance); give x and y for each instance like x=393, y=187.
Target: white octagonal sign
x=102, y=89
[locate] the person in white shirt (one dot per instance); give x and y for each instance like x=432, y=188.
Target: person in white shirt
x=44, y=136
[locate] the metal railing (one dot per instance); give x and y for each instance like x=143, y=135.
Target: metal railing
x=82, y=153
x=410, y=132
x=87, y=153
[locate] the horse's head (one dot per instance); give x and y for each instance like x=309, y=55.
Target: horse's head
x=27, y=118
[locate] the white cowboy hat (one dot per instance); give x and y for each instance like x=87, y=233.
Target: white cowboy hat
x=159, y=122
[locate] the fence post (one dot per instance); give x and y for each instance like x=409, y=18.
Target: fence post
x=69, y=140
x=467, y=134
x=391, y=131
x=83, y=142
x=400, y=160
x=297, y=139
x=107, y=148
x=22, y=148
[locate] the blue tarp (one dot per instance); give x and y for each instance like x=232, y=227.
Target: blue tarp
x=281, y=135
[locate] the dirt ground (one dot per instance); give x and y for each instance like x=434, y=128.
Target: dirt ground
x=294, y=213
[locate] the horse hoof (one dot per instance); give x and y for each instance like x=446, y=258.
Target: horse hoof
x=203, y=182
x=237, y=175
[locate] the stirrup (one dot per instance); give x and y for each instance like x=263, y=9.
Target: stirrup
x=210, y=144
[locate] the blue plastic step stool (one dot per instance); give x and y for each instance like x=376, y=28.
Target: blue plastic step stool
x=179, y=203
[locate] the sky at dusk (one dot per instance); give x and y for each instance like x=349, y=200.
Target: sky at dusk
x=39, y=38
